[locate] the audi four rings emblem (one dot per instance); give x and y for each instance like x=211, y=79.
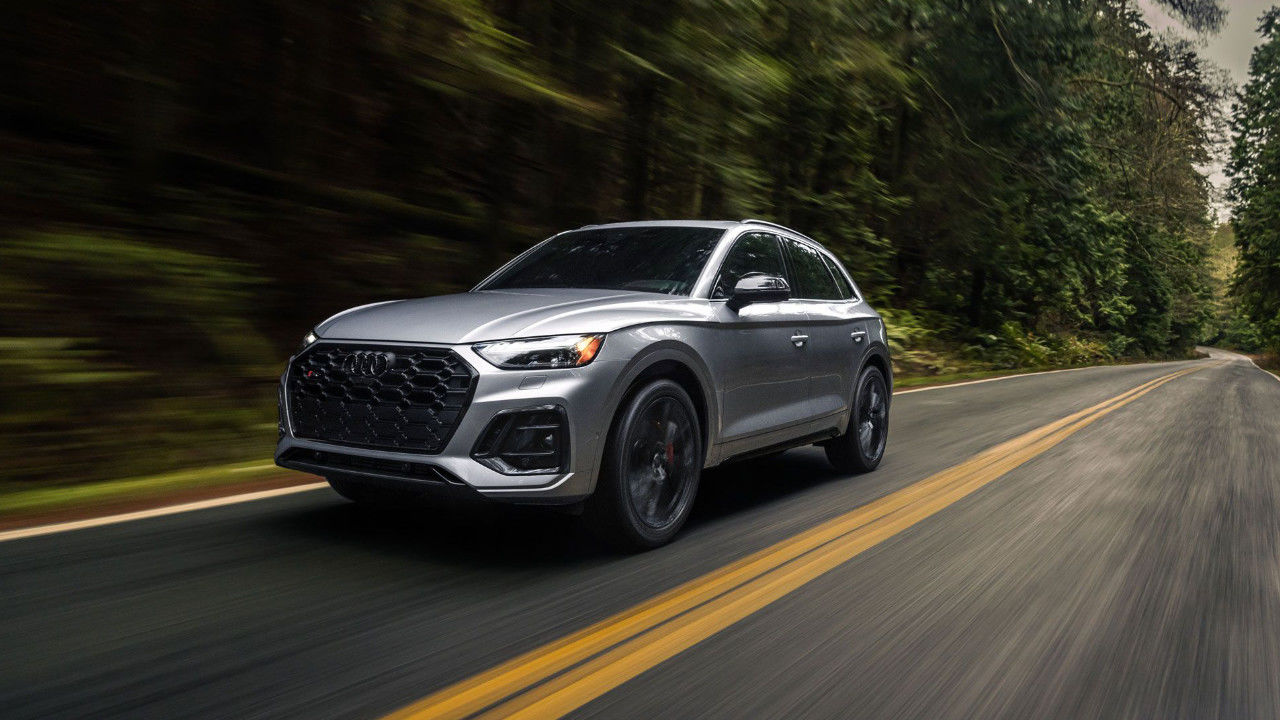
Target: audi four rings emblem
x=366, y=364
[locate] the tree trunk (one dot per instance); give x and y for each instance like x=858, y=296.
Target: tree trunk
x=149, y=120
x=641, y=108
x=977, y=293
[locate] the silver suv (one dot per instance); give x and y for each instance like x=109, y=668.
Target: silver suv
x=603, y=368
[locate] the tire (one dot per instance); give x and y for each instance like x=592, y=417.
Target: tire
x=650, y=471
x=861, y=448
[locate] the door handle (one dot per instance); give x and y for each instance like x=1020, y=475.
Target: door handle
x=858, y=335
x=799, y=339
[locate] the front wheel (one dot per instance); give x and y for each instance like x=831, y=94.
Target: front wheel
x=861, y=447
x=650, y=471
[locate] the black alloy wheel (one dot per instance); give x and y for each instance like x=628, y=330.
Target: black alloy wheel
x=652, y=465
x=861, y=447
x=873, y=418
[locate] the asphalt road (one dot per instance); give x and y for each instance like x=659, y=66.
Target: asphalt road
x=1131, y=569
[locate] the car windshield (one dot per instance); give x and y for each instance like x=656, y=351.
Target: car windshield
x=661, y=259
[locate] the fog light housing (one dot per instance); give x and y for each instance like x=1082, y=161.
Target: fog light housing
x=529, y=441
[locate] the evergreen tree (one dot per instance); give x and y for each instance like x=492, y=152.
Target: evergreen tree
x=1255, y=184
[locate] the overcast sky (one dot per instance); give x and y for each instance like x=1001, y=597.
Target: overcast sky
x=1229, y=48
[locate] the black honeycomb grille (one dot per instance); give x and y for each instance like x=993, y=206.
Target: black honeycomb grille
x=337, y=395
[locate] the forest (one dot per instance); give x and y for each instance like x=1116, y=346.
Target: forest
x=188, y=187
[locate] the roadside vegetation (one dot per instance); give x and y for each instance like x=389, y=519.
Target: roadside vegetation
x=186, y=187
x=1254, y=170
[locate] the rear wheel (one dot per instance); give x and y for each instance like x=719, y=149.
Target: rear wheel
x=650, y=472
x=861, y=447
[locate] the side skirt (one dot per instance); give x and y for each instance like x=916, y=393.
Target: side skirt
x=787, y=445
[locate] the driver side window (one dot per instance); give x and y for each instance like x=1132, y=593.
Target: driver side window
x=753, y=253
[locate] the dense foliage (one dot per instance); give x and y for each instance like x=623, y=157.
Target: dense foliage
x=1255, y=185
x=188, y=186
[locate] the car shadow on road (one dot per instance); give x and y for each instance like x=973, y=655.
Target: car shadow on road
x=499, y=536
x=732, y=489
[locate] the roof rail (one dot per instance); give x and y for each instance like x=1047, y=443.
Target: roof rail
x=755, y=221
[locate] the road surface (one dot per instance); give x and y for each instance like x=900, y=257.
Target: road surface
x=1076, y=544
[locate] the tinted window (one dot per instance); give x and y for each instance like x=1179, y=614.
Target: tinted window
x=650, y=259
x=812, y=280
x=846, y=287
x=751, y=253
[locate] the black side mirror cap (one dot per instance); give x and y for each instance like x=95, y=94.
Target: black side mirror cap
x=758, y=288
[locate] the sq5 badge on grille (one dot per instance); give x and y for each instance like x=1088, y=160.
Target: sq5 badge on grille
x=366, y=364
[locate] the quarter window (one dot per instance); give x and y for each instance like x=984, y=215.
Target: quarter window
x=846, y=287
x=753, y=253
x=812, y=279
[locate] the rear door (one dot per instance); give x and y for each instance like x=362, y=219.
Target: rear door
x=836, y=326
x=761, y=354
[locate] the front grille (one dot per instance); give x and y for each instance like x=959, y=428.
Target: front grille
x=388, y=397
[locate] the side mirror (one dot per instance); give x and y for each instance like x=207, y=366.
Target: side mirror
x=758, y=288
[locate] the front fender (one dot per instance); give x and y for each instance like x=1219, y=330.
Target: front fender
x=647, y=346
x=656, y=343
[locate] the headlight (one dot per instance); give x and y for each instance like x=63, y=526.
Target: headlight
x=307, y=340
x=560, y=351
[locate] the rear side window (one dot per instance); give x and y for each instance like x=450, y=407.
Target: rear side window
x=846, y=287
x=812, y=279
x=757, y=253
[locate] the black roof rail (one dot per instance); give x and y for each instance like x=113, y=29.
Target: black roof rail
x=755, y=221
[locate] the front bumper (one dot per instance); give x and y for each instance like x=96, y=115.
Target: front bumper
x=581, y=392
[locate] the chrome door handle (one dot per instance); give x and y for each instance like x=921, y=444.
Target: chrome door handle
x=857, y=335
x=799, y=339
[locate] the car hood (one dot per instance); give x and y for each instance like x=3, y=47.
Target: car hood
x=499, y=314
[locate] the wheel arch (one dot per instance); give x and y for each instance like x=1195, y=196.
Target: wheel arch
x=679, y=363
x=878, y=357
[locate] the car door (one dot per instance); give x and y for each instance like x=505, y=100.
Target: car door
x=760, y=354
x=836, y=325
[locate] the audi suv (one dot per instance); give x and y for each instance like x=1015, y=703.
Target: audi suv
x=602, y=369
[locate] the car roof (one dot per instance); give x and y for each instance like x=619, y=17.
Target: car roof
x=714, y=224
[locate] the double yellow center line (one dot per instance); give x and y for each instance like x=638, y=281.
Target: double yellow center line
x=553, y=680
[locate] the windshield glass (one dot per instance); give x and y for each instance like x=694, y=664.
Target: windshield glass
x=663, y=259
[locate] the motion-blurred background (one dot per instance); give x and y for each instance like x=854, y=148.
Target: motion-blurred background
x=186, y=187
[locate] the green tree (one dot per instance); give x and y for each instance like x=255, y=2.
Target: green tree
x=1255, y=183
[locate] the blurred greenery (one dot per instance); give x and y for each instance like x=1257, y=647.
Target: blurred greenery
x=187, y=187
x=27, y=499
